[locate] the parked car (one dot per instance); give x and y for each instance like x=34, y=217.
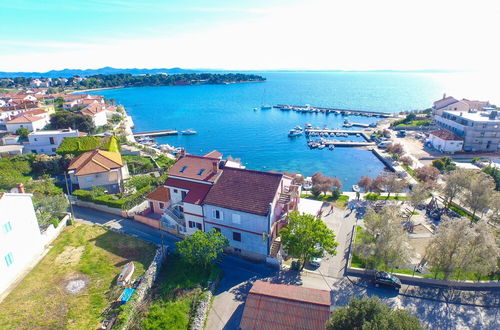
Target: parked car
x=386, y=279
x=316, y=262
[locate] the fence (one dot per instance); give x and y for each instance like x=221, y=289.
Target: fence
x=52, y=232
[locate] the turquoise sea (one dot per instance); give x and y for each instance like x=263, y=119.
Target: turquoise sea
x=224, y=118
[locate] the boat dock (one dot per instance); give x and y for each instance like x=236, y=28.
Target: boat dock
x=164, y=132
x=360, y=125
x=347, y=143
x=306, y=108
x=318, y=132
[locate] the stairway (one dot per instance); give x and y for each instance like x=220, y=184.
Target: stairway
x=275, y=247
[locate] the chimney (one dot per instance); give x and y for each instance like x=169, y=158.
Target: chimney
x=444, y=96
x=20, y=188
x=215, y=166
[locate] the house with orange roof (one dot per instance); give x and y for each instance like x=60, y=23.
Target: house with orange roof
x=97, y=111
x=98, y=168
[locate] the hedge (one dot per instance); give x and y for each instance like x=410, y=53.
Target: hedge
x=79, y=145
x=108, y=200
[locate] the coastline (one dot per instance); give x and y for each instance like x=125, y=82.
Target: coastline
x=95, y=89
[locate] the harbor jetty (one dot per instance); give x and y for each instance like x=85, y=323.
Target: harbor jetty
x=332, y=132
x=344, y=112
x=164, y=132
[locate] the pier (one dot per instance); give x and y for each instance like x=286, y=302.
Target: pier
x=306, y=108
x=318, y=132
x=164, y=132
x=347, y=143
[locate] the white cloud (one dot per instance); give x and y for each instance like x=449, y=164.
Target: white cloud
x=357, y=35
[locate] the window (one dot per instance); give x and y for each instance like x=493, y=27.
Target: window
x=7, y=227
x=217, y=229
x=236, y=236
x=217, y=214
x=236, y=218
x=183, y=169
x=36, y=139
x=191, y=224
x=51, y=139
x=151, y=205
x=198, y=225
x=162, y=205
x=201, y=171
x=9, y=259
x=183, y=194
x=176, y=191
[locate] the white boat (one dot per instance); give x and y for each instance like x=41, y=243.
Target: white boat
x=321, y=146
x=308, y=126
x=188, y=132
x=331, y=147
x=266, y=107
x=298, y=128
x=357, y=134
x=294, y=132
x=255, y=109
x=126, y=274
x=355, y=188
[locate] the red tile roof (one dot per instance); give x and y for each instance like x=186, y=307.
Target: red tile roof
x=196, y=167
x=446, y=135
x=25, y=119
x=281, y=306
x=161, y=194
x=245, y=190
x=444, y=102
x=93, y=108
x=196, y=191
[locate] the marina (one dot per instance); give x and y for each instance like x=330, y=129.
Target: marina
x=344, y=112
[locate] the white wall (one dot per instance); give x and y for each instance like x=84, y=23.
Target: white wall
x=100, y=119
x=445, y=145
x=39, y=142
x=32, y=126
x=23, y=241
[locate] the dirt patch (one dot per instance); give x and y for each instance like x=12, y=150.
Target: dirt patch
x=75, y=285
x=70, y=256
x=421, y=229
x=419, y=245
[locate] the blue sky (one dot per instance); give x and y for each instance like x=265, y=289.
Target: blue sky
x=241, y=34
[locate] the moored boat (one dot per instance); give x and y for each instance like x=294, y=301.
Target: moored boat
x=188, y=132
x=355, y=188
x=266, y=107
x=126, y=274
x=294, y=132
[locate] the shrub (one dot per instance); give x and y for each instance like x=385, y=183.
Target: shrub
x=79, y=145
x=315, y=191
x=23, y=132
x=55, y=222
x=336, y=192
x=372, y=196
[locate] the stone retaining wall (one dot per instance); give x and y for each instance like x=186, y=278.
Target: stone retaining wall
x=203, y=307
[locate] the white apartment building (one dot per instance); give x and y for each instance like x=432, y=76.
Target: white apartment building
x=46, y=142
x=20, y=238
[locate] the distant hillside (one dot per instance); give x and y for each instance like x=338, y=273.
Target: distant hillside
x=66, y=73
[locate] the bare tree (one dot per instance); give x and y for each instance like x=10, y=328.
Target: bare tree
x=366, y=183
x=386, y=243
x=324, y=183
x=389, y=183
x=444, y=252
x=406, y=160
x=419, y=194
x=495, y=208
x=456, y=182
x=461, y=246
x=395, y=148
x=427, y=173
x=478, y=191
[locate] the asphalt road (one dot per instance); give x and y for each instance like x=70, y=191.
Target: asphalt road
x=437, y=308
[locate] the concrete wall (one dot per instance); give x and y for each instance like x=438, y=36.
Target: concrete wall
x=193, y=213
x=40, y=142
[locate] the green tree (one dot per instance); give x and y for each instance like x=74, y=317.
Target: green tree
x=307, y=237
x=444, y=164
x=49, y=207
x=371, y=313
x=494, y=173
x=201, y=248
x=455, y=183
x=479, y=189
x=23, y=132
x=386, y=244
x=418, y=195
x=65, y=119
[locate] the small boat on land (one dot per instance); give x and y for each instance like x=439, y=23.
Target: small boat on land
x=126, y=274
x=355, y=188
x=294, y=133
x=188, y=132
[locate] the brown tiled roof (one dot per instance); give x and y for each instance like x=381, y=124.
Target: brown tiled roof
x=444, y=102
x=244, y=190
x=193, y=166
x=281, y=306
x=161, y=194
x=446, y=135
x=214, y=154
x=196, y=191
x=96, y=161
x=25, y=119
x=92, y=109
x=36, y=112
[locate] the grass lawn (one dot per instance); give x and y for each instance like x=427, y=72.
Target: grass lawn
x=410, y=171
x=340, y=202
x=460, y=211
x=138, y=164
x=422, y=122
x=83, y=252
x=176, y=295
